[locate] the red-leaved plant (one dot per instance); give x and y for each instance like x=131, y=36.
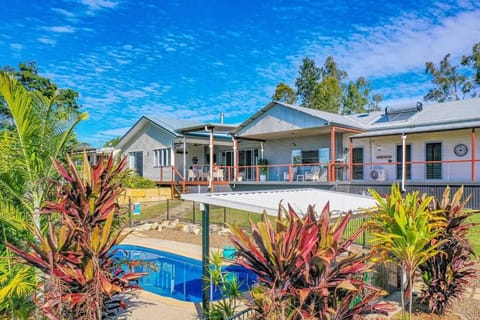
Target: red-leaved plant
x=447, y=274
x=305, y=269
x=76, y=255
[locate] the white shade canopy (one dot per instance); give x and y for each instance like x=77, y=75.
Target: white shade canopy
x=299, y=199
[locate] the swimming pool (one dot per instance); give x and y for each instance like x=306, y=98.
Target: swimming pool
x=177, y=276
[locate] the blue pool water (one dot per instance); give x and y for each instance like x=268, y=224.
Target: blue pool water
x=177, y=276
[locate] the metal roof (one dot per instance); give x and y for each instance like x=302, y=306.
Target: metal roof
x=419, y=129
x=174, y=126
x=258, y=201
x=203, y=127
x=329, y=118
x=434, y=117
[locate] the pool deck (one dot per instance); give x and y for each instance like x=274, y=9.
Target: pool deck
x=146, y=305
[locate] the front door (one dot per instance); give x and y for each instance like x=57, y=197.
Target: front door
x=246, y=163
x=135, y=160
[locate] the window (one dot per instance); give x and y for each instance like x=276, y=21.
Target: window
x=433, y=153
x=321, y=155
x=309, y=156
x=357, y=160
x=161, y=157
x=408, y=158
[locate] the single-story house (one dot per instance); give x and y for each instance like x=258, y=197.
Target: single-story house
x=290, y=144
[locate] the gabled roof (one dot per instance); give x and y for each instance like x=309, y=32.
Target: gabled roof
x=453, y=115
x=327, y=117
x=172, y=126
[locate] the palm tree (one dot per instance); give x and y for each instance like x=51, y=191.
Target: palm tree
x=41, y=130
x=404, y=231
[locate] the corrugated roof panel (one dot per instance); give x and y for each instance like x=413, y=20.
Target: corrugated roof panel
x=258, y=201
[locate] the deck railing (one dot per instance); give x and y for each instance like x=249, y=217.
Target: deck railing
x=382, y=171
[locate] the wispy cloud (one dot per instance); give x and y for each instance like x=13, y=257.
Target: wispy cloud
x=47, y=40
x=63, y=12
x=61, y=29
x=94, y=5
x=399, y=45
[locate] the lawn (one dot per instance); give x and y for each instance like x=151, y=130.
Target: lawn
x=474, y=233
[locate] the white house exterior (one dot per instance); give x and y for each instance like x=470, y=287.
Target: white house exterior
x=158, y=149
x=310, y=146
x=440, y=143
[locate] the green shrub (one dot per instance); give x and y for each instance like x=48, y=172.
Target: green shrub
x=305, y=269
x=445, y=275
x=132, y=180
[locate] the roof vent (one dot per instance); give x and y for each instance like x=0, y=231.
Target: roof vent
x=404, y=109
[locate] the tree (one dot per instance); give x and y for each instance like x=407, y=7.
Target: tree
x=41, y=131
x=405, y=232
x=328, y=96
x=112, y=143
x=473, y=61
x=449, y=82
x=27, y=74
x=329, y=89
x=356, y=97
x=284, y=93
x=306, y=83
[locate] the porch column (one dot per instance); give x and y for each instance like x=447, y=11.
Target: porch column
x=184, y=159
x=205, y=260
x=172, y=162
x=210, y=173
x=474, y=143
x=331, y=166
x=404, y=158
x=350, y=165
x=235, y=159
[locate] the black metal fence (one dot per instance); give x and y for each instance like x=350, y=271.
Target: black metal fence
x=188, y=211
x=385, y=276
x=242, y=315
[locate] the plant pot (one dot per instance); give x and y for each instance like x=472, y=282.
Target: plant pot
x=263, y=177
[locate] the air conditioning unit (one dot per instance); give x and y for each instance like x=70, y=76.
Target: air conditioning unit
x=378, y=175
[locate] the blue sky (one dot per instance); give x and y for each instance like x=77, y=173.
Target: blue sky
x=193, y=60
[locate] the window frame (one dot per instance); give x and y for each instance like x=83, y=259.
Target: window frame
x=162, y=157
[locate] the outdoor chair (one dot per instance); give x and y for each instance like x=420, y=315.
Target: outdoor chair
x=286, y=177
x=313, y=175
x=218, y=174
x=192, y=175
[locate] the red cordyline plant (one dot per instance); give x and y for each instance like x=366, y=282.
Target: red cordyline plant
x=76, y=253
x=447, y=274
x=305, y=269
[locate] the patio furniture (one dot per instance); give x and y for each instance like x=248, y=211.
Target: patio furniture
x=313, y=175
x=286, y=176
x=218, y=174
x=192, y=175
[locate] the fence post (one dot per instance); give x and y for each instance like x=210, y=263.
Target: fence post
x=193, y=210
x=224, y=216
x=364, y=234
x=168, y=209
x=129, y=212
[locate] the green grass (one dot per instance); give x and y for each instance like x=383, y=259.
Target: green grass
x=158, y=211
x=474, y=233
x=154, y=210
